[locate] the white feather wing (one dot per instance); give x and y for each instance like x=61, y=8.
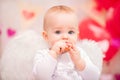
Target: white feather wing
x=17, y=58
x=93, y=51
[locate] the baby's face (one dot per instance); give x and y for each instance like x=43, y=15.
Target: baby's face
x=62, y=27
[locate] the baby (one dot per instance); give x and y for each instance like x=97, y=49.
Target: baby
x=63, y=59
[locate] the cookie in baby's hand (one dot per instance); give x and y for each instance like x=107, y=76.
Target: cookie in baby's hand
x=67, y=48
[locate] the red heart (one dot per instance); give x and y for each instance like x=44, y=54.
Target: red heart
x=28, y=15
x=11, y=32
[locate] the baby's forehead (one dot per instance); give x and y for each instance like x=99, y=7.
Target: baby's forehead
x=61, y=13
x=64, y=27
x=61, y=19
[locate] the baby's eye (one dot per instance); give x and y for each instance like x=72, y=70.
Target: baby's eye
x=71, y=32
x=57, y=32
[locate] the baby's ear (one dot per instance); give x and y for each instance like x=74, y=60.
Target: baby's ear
x=44, y=34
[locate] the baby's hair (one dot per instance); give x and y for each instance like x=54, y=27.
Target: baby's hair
x=57, y=9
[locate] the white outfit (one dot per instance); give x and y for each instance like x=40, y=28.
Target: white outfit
x=48, y=68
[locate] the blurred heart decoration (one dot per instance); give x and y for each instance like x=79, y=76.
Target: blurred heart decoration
x=28, y=14
x=11, y=32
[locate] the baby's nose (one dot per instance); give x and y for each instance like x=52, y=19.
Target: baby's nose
x=65, y=37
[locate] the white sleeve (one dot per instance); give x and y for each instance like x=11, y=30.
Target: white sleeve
x=91, y=71
x=44, y=66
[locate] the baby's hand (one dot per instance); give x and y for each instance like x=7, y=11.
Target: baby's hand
x=74, y=53
x=59, y=47
x=76, y=58
x=69, y=45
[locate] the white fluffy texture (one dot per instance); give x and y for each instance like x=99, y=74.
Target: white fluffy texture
x=93, y=51
x=17, y=58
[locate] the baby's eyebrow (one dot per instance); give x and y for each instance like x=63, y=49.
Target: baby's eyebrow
x=72, y=28
x=57, y=28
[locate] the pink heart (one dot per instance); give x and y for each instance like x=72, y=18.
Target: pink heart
x=1, y=28
x=10, y=32
x=28, y=14
x=0, y=31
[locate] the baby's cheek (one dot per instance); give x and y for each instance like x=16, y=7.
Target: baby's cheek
x=74, y=41
x=53, y=42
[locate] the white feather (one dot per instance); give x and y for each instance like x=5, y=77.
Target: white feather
x=17, y=58
x=93, y=51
